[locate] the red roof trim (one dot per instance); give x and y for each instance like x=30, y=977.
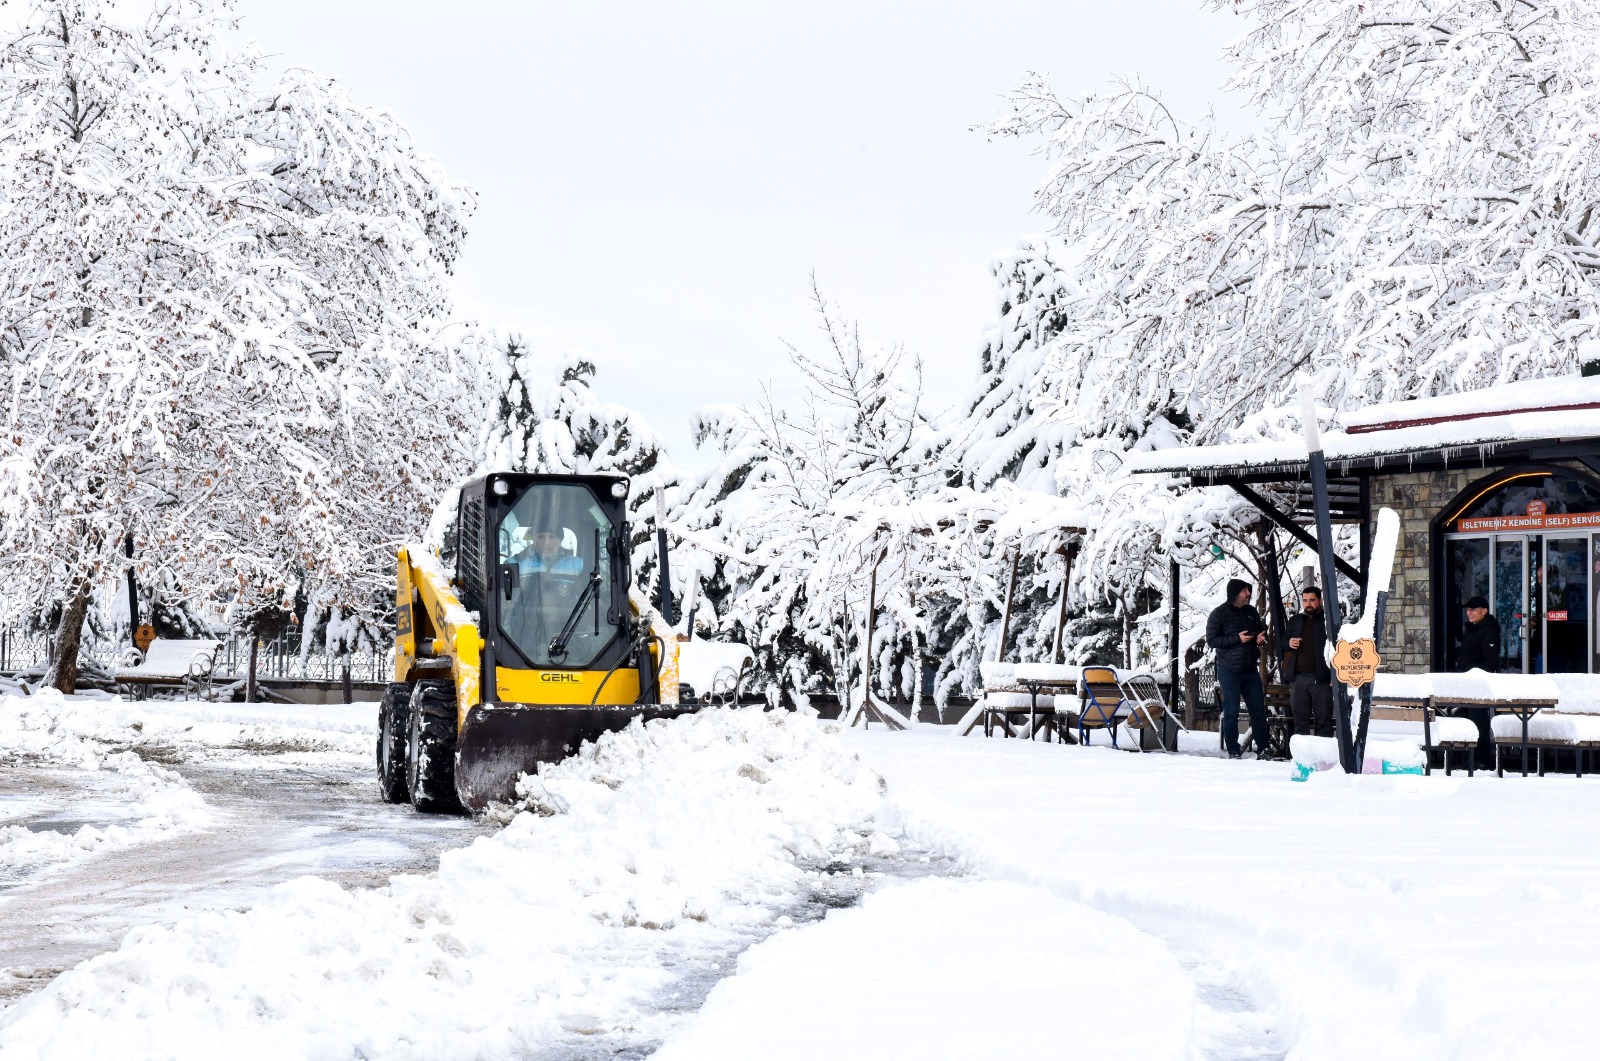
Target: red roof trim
x=1395, y=425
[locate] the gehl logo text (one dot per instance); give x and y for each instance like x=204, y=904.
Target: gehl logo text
x=559, y=676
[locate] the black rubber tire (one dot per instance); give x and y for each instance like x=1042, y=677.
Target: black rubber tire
x=394, y=726
x=431, y=749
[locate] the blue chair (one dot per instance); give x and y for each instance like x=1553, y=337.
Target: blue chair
x=1102, y=705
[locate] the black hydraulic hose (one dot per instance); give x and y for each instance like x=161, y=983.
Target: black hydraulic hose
x=638, y=650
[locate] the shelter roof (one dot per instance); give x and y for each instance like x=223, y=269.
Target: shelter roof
x=1534, y=419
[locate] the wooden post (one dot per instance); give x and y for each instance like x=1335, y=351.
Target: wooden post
x=1276, y=617
x=1005, y=616
x=1175, y=628
x=133, y=590
x=1365, y=538
x=1068, y=552
x=872, y=610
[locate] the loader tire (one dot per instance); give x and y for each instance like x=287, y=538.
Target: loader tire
x=431, y=749
x=394, y=725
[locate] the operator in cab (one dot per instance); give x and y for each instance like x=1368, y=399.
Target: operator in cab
x=547, y=556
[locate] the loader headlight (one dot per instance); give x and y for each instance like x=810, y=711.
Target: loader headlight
x=501, y=488
x=619, y=490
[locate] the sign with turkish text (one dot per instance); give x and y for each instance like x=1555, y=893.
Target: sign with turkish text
x=143, y=636
x=1556, y=617
x=1533, y=521
x=1356, y=662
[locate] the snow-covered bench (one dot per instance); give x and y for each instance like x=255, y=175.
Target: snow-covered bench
x=185, y=665
x=1552, y=731
x=1444, y=695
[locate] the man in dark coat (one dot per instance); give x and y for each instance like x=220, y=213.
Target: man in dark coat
x=1234, y=631
x=1305, y=667
x=1480, y=649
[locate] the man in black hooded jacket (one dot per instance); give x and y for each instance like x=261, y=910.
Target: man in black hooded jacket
x=1235, y=631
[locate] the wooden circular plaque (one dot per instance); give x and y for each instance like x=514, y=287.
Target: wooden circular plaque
x=1356, y=662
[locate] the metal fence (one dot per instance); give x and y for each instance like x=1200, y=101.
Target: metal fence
x=280, y=658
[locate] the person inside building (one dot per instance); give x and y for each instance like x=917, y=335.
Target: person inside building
x=1235, y=631
x=1305, y=667
x=1480, y=650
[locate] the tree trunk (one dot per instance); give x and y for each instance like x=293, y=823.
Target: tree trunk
x=250, y=671
x=63, y=672
x=346, y=687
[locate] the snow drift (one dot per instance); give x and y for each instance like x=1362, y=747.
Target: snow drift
x=639, y=861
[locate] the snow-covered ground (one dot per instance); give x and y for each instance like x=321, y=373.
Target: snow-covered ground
x=594, y=919
x=1239, y=914
x=983, y=898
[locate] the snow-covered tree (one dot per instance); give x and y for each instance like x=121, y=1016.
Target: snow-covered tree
x=1416, y=215
x=550, y=419
x=803, y=508
x=219, y=317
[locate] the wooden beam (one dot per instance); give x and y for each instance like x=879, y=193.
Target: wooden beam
x=1294, y=529
x=1005, y=616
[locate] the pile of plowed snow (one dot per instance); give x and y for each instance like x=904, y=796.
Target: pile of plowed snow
x=639, y=861
x=146, y=801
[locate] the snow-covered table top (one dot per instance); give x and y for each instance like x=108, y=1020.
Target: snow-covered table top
x=1471, y=687
x=1048, y=673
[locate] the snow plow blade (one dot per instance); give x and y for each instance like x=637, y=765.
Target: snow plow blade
x=498, y=743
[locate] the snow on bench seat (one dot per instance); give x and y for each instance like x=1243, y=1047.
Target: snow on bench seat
x=172, y=661
x=1553, y=726
x=1444, y=729
x=1019, y=701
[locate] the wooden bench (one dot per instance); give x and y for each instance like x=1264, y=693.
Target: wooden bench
x=1280, y=724
x=174, y=664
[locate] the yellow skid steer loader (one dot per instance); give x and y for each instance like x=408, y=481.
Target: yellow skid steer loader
x=519, y=640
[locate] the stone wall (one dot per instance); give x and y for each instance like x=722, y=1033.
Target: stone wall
x=1417, y=498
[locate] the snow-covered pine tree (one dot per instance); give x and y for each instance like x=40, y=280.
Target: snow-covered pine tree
x=550, y=420
x=220, y=314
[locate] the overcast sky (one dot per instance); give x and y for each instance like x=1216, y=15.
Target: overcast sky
x=658, y=181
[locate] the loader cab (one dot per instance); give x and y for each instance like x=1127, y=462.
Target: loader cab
x=543, y=561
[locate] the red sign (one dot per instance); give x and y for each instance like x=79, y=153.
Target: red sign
x=1556, y=617
x=1536, y=508
x=1532, y=521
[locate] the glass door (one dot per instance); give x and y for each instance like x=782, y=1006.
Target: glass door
x=1566, y=605
x=1510, y=601
x=1468, y=576
x=1534, y=627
